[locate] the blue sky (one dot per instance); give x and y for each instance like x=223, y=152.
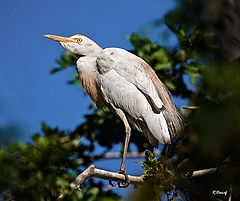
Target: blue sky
x=28, y=93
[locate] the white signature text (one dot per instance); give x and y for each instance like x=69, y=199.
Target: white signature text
x=216, y=192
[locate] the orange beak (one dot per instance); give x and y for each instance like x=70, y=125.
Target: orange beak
x=60, y=38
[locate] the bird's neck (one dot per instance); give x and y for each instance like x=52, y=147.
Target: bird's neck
x=92, y=50
x=86, y=65
x=88, y=74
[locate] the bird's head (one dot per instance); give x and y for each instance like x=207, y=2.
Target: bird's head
x=78, y=44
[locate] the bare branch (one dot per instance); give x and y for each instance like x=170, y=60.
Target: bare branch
x=230, y=193
x=190, y=107
x=200, y=173
x=112, y=155
x=116, y=155
x=91, y=171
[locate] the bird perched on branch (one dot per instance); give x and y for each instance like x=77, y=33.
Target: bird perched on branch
x=127, y=85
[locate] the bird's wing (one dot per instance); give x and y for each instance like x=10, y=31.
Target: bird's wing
x=122, y=95
x=133, y=70
x=133, y=86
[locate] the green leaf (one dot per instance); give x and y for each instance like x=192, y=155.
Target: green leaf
x=184, y=166
x=170, y=85
x=109, y=198
x=91, y=194
x=54, y=70
x=192, y=79
x=78, y=195
x=161, y=55
x=165, y=66
x=138, y=163
x=149, y=155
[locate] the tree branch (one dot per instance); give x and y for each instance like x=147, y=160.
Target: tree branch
x=112, y=155
x=116, y=155
x=190, y=107
x=91, y=171
x=200, y=173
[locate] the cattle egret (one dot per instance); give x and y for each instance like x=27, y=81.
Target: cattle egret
x=127, y=85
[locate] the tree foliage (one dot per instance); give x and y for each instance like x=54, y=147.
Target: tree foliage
x=44, y=169
x=199, y=69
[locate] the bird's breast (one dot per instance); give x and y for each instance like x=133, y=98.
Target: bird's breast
x=92, y=89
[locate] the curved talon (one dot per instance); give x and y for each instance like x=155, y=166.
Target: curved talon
x=121, y=184
x=112, y=184
x=124, y=184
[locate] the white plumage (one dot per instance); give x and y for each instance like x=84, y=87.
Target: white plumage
x=126, y=84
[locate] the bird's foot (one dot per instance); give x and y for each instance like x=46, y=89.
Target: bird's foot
x=121, y=184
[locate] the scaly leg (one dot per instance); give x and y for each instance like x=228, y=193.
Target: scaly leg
x=127, y=138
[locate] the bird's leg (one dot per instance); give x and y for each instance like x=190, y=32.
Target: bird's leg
x=122, y=168
x=127, y=138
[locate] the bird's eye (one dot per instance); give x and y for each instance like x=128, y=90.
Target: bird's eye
x=79, y=40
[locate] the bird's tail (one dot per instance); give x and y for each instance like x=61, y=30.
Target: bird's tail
x=142, y=127
x=158, y=127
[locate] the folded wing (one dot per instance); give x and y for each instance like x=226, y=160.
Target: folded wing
x=134, y=77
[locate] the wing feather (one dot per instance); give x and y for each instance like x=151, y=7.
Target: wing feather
x=134, y=71
x=130, y=67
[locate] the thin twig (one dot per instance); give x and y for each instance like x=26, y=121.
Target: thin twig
x=116, y=155
x=112, y=155
x=190, y=107
x=230, y=193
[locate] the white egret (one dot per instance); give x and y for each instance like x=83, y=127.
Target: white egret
x=127, y=85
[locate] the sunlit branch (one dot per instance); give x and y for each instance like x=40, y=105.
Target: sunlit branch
x=190, y=107
x=91, y=171
x=200, y=173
